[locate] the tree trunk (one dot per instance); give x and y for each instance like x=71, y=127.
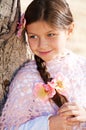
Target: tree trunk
x=12, y=49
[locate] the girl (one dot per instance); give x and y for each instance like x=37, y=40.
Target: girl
x=48, y=93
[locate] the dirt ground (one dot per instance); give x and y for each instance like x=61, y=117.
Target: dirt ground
x=78, y=39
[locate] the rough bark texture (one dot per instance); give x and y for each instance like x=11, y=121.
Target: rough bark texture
x=12, y=49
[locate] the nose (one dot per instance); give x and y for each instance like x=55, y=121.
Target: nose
x=43, y=43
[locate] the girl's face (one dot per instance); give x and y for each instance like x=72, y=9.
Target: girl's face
x=45, y=41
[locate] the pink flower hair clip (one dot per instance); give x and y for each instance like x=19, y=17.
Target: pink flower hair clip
x=21, y=26
x=45, y=91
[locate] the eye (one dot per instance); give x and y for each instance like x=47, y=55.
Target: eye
x=33, y=37
x=51, y=35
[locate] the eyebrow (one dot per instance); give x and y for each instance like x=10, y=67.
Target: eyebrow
x=45, y=32
x=31, y=33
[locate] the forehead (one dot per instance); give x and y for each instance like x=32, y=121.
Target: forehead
x=39, y=26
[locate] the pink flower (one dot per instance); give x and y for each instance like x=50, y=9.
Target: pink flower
x=21, y=25
x=61, y=84
x=45, y=91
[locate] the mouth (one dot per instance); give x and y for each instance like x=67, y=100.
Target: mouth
x=45, y=52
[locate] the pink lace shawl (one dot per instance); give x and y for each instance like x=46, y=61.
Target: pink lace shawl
x=22, y=106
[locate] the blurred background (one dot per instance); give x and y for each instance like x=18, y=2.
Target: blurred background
x=78, y=39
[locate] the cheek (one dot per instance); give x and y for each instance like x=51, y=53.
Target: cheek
x=55, y=43
x=58, y=44
x=32, y=46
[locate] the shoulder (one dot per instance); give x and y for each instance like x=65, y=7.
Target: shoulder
x=28, y=68
x=26, y=75
x=82, y=63
x=78, y=58
x=79, y=62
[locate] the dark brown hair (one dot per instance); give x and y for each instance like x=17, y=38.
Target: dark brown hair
x=57, y=14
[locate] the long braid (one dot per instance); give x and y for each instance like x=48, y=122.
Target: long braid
x=41, y=67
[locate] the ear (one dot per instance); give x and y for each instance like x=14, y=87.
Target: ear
x=70, y=29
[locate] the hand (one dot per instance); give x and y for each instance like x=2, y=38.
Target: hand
x=57, y=122
x=73, y=113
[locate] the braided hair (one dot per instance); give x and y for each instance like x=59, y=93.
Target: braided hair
x=41, y=67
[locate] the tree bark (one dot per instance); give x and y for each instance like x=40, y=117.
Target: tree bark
x=12, y=49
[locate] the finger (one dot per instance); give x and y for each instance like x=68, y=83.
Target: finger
x=73, y=123
x=74, y=119
x=69, y=113
x=68, y=107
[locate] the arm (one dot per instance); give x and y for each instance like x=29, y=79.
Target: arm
x=39, y=123
x=21, y=106
x=45, y=123
x=22, y=109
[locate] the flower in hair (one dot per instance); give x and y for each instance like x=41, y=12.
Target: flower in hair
x=21, y=25
x=46, y=91
x=61, y=84
x=43, y=91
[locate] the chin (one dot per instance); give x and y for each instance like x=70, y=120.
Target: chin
x=47, y=59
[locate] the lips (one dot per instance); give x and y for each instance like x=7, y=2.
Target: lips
x=45, y=52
